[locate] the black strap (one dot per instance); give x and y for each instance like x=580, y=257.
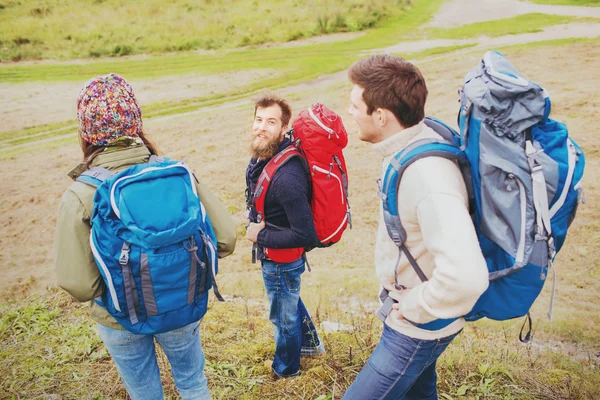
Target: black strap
x=306, y=261
x=212, y=275
x=413, y=262
x=529, y=334
x=386, y=308
x=215, y=287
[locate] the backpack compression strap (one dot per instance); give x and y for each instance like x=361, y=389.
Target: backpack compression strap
x=96, y=175
x=260, y=194
x=388, y=192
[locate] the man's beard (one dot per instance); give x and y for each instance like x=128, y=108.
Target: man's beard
x=264, y=149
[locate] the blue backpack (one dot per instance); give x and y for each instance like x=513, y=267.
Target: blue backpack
x=154, y=245
x=523, y=175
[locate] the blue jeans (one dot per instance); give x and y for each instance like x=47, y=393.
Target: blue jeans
x=135, y=357
x=400, y=368
x=295, y=334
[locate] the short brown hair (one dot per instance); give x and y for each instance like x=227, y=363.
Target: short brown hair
x=269, y=99
x=391, y=83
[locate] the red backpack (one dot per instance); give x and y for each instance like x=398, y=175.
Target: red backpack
x=318, y=137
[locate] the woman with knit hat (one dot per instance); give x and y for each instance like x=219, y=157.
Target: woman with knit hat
x=111, y=136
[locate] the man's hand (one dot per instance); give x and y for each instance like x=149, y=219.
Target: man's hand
x=253, y=229
x=398, y=296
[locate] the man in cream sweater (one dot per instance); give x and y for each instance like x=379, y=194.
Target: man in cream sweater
x=387, y=103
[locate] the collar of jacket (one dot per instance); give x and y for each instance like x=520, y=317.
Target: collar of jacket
x=397, y=141
x=115, y=158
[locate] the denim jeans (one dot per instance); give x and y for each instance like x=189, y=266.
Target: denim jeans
x=135, y=357
x=295, y=334
x=400, y=368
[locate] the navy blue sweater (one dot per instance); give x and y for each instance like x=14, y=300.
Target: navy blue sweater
x=287, y=205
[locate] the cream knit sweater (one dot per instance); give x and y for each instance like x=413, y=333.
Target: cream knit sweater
x=433, y=207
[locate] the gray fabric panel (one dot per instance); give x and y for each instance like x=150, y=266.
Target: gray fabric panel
x=511, y=108
x=550, y=168
x=509, y=155
x=504, y=272
x=155, y=159
x=98, y=173
x=192, y=278
x=539, y=256
x=501, y=203
x=147, y=288
x=440, y=129
x=136, y=299
x=204, y=267
x=129, y=289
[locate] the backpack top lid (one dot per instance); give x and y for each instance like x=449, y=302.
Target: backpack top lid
x=318, y=120
x=151, y=206
x=510, y=102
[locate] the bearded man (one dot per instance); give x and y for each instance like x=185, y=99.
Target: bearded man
x=287, y=224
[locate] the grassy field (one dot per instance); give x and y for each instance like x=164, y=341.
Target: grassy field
x=32, y=30
x=49, y=348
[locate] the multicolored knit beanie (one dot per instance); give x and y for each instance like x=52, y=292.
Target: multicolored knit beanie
x=108, y=112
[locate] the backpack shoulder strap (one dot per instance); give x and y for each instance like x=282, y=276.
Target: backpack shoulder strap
x=264, y=180
x=94, y=176
x=388, y=189
x=156, y=159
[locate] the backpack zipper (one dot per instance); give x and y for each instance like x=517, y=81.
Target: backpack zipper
x=322, y=125
x=329, y=174
x=109, y=282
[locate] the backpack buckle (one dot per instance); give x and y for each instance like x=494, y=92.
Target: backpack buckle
x=551, y=248
x=124, y=258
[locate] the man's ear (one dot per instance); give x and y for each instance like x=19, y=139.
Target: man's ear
x=284, y=129
x=380, y=117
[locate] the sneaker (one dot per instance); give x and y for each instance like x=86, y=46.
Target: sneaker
x=313, y=351
x=274, y=375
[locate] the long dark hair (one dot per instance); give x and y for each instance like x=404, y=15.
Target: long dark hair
x=90, y=151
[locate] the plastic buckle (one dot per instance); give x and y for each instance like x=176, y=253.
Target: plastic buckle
x=124, y=258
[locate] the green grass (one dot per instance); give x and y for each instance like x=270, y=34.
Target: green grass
x=552, y=43
x=527, y=23
x=315, y=58
x=56, y=29
x=435, y=51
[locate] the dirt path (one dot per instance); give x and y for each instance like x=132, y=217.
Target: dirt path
x=36, y=103
x=463, y=12
x=567, y=31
